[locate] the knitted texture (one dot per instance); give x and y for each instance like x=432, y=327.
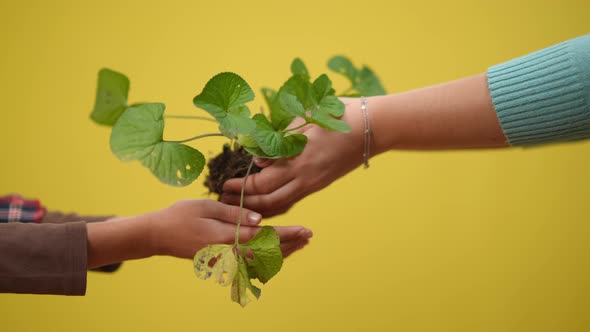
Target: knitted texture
x=544, y=97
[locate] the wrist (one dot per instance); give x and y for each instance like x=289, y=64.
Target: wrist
x=355, y=139
x=153, y=239
x=383, y=123
x=118, y=240
x=382, y=135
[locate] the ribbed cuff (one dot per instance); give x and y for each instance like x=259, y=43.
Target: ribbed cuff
x=543, y=97
x=57, y=217
x=77, y=239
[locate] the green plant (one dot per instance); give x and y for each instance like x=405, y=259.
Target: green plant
x=138, y=129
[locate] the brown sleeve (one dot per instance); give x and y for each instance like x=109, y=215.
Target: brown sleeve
x=57, y=217
x=43, y=258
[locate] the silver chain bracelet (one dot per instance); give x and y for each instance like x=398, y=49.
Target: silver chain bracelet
x=367, y=150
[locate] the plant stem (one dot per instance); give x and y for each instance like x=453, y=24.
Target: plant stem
x=242, y=202
x=196, y=137
x=190, y=117
x=295, y=128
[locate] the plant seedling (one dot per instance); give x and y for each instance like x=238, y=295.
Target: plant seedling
x=138, y=131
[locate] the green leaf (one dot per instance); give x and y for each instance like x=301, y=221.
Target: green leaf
x=322, y=87
x=369, y=84
x=138, y=135
x=224, y=97
x=241, y=284
x=237, y=121
x=363, y=80
x=111, y=97
x=216, y=261
x=270, y=98
x=251, y=146
x=276, y=144
x=324, y=120
x=268, y=258
x=343, y=66
x=258, y=152
x=327, y=106
x=297, y=86
x=298, y=68
x=220, y=263
x=279, y=118
x=223, y=92
x=247, y=141
x=292, y=105
x=332, y=105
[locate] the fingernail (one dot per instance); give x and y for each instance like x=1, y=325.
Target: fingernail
x=254, y=217
x=306, y=233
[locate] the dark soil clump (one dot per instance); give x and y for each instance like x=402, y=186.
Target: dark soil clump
x=227, y=165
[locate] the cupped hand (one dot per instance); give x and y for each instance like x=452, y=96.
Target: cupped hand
x=327, y=156
x=189, y=225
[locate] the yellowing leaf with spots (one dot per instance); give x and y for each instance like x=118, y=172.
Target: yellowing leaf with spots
x=260, y=258
x=217, y=262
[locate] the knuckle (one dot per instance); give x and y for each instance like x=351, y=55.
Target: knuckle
x=265, y=203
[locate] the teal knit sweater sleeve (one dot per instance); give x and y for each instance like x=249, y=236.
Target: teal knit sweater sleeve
x=544, y=96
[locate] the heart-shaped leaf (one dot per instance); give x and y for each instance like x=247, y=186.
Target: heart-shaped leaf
x=138, y=135
x=241, y=284
x=251, y=146
x=237, y=121
x=342, y=65
x=291, y=105
x=224, y=97
x=227, y=266
x=332, y=105
x=268, y=259
x=322, y=87
x=297, y=86
x=363, y=81
x=217, y=262
x=276, y=144
x=298, y=68
x=368, y=83
x=111, y=97
x=324, y=120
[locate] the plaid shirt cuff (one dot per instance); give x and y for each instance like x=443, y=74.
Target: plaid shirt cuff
x=14, y=208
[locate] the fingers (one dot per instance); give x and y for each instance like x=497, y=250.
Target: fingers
x=230, y=213
x=267, y=181
x=262, y=162
x=290, y=233
x=290, y=247
x=271, y=204
x=286, y=233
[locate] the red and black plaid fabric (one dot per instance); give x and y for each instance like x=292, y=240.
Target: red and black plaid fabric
x=15, y=208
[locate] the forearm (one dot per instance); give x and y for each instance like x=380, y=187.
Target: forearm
x=120, y=239
x=542, y=97
x=454, y=115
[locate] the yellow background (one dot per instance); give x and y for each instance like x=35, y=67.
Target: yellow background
x=422, y=241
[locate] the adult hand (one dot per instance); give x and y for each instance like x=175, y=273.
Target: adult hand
x=327, y=156
x=453, y=115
